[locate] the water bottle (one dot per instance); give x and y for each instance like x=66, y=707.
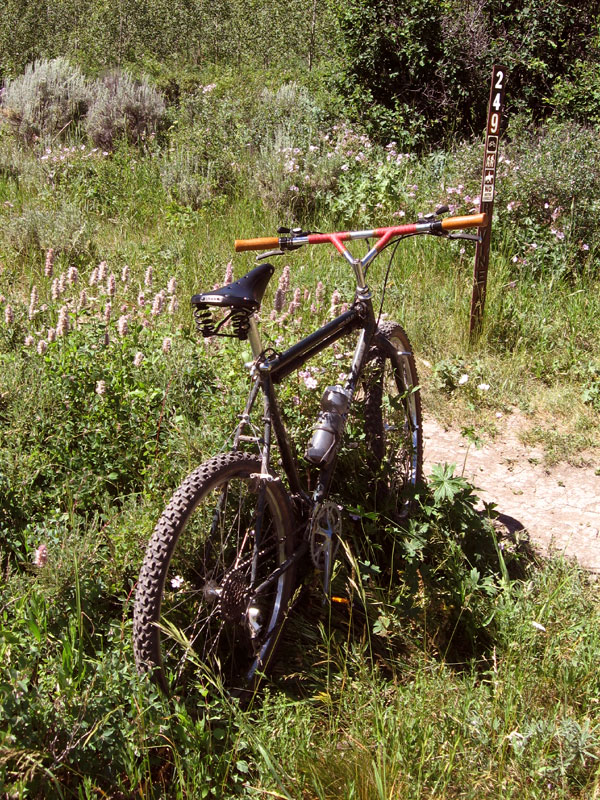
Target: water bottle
x=334, y=405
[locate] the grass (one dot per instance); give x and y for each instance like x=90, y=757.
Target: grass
x=452, y=678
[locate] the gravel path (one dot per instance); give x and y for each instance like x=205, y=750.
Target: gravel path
x=558, y=506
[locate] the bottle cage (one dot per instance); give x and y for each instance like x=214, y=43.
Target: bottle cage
x=237, y=300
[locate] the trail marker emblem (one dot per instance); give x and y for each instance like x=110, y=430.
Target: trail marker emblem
x=488, y=189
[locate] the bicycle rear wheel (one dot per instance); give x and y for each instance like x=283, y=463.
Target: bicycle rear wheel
x=393, y=423
x=223, y=534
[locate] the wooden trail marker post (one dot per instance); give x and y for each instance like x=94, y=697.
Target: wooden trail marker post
x=486, y=204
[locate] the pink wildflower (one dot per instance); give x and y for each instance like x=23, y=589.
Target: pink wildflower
x=335, y=301
x=309, y=381
x=229, y=272
x=172, y=285
x=101, y=387
x=33, y=301
x=125, y=274
x=158, y=304
x=40, y=557
x=111, y=285
x=101, y=271
x=62, y=326
x=279, y=299
x=138, y=358
x=148, y=277
x=319, y=293
x=73, y=275
x=122, y=326
x=166, y=345
x=42, y=346
x=49, y=265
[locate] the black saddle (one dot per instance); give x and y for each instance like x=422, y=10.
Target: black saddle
x=239, y=299
x=245, y=293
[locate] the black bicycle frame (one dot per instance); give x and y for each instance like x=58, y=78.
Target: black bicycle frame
x=269, y=370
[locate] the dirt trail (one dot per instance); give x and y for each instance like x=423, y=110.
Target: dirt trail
x=558, y=506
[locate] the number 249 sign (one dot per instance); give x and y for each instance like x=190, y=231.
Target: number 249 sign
x=488, y=186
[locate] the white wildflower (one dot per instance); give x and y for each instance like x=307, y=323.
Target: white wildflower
x=463, y=379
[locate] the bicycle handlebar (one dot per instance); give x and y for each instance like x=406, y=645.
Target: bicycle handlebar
x=472, y=221
x=382, y=234
x=256, y=244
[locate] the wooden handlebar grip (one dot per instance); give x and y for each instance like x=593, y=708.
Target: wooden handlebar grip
x=472, y=221
x=256, y=244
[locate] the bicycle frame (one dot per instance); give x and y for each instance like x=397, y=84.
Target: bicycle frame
x=267, y=371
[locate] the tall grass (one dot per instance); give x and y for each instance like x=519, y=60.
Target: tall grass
x=457, y=672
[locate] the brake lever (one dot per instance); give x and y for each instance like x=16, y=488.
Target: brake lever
x=470, y=237
x=269, y=254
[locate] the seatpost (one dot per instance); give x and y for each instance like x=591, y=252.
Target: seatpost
x=254, y=337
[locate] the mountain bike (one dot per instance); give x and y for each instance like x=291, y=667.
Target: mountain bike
x=221, y=567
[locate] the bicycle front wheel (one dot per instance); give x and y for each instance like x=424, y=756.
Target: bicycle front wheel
x=393, y=422
x=197, y=609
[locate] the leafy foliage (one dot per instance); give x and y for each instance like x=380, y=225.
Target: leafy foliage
x=419, y=73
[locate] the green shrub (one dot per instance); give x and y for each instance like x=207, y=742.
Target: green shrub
x=49, y=98
x=39, y=227
x=419, y=73
x=576, y=96
x=123, y=107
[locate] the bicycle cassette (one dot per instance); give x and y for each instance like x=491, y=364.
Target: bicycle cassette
x=325, y=532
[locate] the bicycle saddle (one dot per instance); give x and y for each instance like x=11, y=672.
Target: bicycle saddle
x=246, y=293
